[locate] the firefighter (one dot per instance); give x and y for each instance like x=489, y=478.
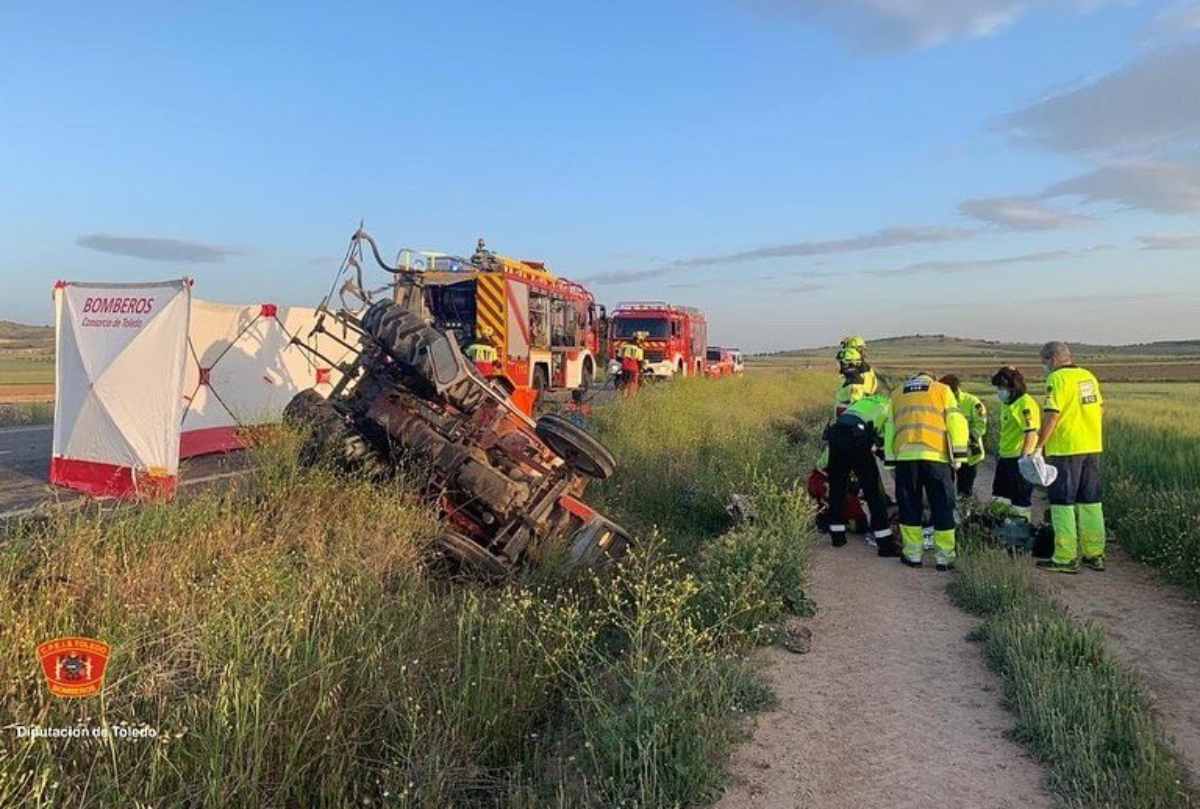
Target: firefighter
x=1072, y=440
x=973, y=409
x=632, y=355
x=855, y=342
x=1020, y=421
x=858, y=379
x=482, y=351
x=926, y=441
x=853, y=440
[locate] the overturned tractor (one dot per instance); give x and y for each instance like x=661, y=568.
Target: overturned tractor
x=509, y=487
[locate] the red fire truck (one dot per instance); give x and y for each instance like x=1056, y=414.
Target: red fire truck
x=545, y=329
x=676, y=336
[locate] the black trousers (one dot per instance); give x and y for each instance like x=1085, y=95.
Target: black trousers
x=850, y=451
x=1078, y=479
x=964, y=479
x=916, y=480
x=1011, y=485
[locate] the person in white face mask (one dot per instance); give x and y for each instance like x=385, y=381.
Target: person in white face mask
x=1020, y=421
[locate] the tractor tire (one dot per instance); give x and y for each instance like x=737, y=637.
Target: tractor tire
x=311, y=411
x=581, y=451
x=470, y=556
x=331, y=438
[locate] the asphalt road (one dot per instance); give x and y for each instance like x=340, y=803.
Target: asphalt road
x=25, y=467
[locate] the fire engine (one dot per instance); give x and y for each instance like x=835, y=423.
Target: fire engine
x=676, y=336
x=724, y=362
x=545, y=329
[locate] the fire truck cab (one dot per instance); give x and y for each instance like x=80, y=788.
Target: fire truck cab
x=544, y=329
x=676, y=336
x=724, y=362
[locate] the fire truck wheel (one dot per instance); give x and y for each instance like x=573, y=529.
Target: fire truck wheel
x=581, y=451
x=471, y=556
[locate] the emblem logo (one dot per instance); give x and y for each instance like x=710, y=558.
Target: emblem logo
x=74, y=667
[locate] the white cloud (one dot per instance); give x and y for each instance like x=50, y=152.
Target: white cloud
x=976, y=265
x=1139, y=109
x=1020, y=213
x=875, y=240
x=906, y=24
x=153, y=248
x=1157, y=185
x=1179, y=19
x=1170, y=241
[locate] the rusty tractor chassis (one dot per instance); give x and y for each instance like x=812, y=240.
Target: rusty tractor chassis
x=509, y=487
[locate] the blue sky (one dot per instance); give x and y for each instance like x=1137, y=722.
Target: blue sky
x=799, y=168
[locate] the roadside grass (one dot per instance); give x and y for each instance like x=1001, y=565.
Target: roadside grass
x=285, y=641
x=1079, y=712
x=26, y=413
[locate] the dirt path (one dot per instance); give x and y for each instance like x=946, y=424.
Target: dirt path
x=1152, y=627
x=1155, y=630
x=892, y=708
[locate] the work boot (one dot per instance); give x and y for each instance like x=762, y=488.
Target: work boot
x=887, y=548
x=1051, y=566
x=838, y=539
x=910, y=563
x=943, y=567
x=1094, y=563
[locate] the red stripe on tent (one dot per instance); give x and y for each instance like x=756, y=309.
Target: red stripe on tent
x=209, y=440
x=108, y=480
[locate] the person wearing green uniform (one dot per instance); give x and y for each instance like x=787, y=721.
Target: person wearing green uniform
x=1020, y=421
x=977, y=423
x=1072, y=440
x=853, y=441
x=858, y=379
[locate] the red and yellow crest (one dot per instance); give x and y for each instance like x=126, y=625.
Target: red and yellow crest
x=74, y=667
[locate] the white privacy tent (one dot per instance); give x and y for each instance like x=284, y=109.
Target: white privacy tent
x=119, y=362
x=242, y=369
x=146, y=375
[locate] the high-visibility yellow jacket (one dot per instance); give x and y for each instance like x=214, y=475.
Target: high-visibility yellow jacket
x=926, y=423
x=1074, y=393
x=977, y=423
x=481, y=352
x=631, y=351
x=851, y=391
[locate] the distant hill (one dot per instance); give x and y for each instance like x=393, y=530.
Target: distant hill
x=32, y=342
x=941, y=345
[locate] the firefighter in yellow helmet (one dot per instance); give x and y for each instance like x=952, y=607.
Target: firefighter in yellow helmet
x=858, y=379
x=926, y=440
x=975, y=411
x=632, y=354
x=1072, y=440
x=483, y=351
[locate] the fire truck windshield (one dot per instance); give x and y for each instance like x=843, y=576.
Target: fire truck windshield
x=657, y=328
